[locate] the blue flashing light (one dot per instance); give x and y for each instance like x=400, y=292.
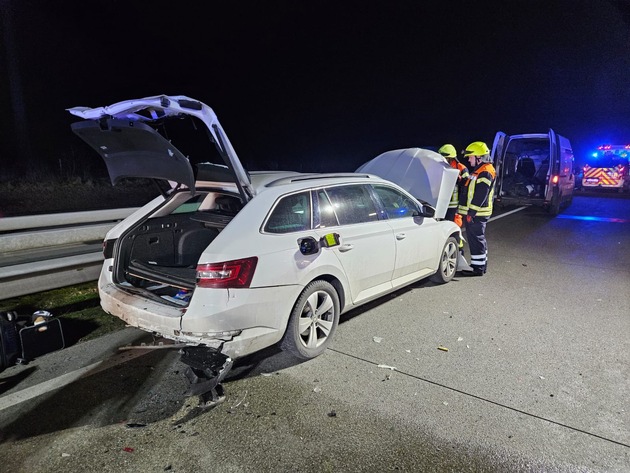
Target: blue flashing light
x=594, y=155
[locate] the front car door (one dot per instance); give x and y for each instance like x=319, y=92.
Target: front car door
x=417, y=238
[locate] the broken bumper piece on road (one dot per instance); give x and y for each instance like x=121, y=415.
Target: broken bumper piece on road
x=207, y=367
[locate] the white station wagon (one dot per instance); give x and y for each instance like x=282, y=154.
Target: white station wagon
x=231, y=261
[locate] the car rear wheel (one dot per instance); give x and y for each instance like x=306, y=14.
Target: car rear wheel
x=448, y=262
x=313, y=321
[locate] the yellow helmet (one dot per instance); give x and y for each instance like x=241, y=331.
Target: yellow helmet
x=448, y=151
x=477, y=148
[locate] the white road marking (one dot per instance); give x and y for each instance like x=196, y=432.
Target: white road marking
x=507, y=213
x=65, y=379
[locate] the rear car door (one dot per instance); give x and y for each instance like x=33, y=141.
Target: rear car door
x=554, y=168
x=498, y=155
x=366, y=250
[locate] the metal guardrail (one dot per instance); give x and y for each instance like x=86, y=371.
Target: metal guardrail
x=43, y=252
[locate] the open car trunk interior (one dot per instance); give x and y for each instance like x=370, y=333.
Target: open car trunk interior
x=159, y=255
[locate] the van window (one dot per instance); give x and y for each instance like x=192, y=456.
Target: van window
x=352, y=204
x=292, y=213
x=567, y=161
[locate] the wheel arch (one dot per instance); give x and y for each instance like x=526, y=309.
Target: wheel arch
x=337, y=284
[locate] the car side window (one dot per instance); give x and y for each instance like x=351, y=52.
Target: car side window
x=191, y=205
x=352, y=204
x=292, y=213
x=326, y=214
x=395, y=203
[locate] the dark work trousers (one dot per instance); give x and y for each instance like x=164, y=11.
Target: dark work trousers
x=476, y=236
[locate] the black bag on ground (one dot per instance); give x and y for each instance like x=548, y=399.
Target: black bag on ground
x=41, y=338
x=9, y=340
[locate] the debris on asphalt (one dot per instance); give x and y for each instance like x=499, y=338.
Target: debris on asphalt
x=64, y=454
x=377, y=339
x=445, y=403
x=134, y=425
x=332, y=414
x=317, y=389
x=387, y=367
x=408, y=351
x=541, y=377
x=156, y=345
x=128, y=449
x=460, y=339
x=239, y=402
x=442, y=348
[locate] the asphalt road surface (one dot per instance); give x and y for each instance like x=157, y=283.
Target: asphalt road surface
x=536, y=377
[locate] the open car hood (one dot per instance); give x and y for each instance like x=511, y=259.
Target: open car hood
x=423, y=173
x=121, y=134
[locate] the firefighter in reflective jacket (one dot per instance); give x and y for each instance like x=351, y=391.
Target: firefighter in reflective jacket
x=475, y=204
x=448, y=151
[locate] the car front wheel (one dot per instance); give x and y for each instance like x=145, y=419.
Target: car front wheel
x=448, y=262
x=313, y=321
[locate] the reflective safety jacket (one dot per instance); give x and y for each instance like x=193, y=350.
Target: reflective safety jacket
x=478, y=192
x=463, y=176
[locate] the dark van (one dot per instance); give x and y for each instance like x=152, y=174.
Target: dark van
x=533, y=169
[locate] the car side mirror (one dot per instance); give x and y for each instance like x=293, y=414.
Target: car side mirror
x=428, y=211
x=308, y=245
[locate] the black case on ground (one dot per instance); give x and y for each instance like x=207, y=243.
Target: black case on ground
x=9, y=343
x=41, y=338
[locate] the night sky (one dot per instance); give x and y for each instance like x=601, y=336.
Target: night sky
x=317, y=85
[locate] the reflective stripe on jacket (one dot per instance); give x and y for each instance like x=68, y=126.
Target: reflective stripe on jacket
x=463, y=175
x=480, y=192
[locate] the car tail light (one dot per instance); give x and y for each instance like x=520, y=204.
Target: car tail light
x=228, y=274
x=108, y=248
x=554, y=180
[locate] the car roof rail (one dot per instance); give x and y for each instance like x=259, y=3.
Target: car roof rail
x=317, y=176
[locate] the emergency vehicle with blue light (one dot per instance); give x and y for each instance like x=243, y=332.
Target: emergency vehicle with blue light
x=608, y=167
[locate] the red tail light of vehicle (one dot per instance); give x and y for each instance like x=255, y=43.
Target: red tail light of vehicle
x=554, y=180
x=234, y=274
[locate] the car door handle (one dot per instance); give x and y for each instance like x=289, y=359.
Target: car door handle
x=346, y=247
x=401, y=236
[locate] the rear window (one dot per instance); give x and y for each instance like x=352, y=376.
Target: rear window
x=608, y=161
x=292, y=213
